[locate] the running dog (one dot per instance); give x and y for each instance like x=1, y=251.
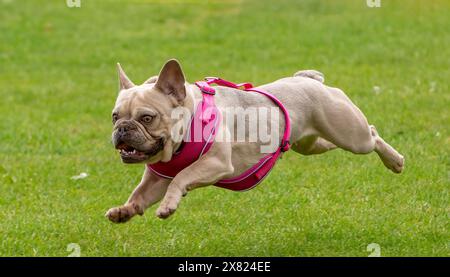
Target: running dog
x=321, y=117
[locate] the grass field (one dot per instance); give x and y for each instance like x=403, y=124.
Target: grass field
x=58, y=84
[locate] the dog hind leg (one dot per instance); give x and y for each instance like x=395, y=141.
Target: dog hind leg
x=343, y=124
x=312, y=145
x=388, y=155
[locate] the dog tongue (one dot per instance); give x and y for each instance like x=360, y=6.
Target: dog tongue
x=123, y=146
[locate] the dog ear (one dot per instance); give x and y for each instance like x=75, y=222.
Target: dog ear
x=171, y=80
x=124, y=81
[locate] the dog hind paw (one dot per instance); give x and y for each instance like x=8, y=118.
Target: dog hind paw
x=395, y=164
x=392, y=160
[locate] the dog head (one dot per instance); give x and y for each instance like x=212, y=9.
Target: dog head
x=142, y=115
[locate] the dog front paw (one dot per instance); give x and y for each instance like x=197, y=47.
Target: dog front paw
x=166, y=209
x=123, y=213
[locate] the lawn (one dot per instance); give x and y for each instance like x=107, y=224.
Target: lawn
x=58, y=84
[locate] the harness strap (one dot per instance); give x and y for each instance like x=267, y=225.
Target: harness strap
x=221, y=82
x=206, y=88
x=205, y=120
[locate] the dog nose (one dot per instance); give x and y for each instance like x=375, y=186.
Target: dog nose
x=122, y=130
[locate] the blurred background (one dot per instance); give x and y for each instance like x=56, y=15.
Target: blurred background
x=58, y=84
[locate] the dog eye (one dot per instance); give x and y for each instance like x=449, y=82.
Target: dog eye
x=115, y=117
x=146, y=118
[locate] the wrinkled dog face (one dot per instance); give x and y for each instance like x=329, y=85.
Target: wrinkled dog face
x=142, y=115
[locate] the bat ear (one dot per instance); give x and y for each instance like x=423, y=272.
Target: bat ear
x=124, y=81
x=171, y=80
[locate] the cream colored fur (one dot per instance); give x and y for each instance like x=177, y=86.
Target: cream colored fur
x=322, y=118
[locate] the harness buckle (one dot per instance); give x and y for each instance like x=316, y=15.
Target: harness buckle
x=285, y=146
x=211, y=79
x=208, y=90
x=205, y=88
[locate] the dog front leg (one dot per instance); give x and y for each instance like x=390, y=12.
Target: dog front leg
x=150, y=190
x=203, y=172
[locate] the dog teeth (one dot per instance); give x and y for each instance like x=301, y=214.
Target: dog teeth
x=127, y=153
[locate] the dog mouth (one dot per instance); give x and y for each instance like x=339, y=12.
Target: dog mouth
x=130, y=154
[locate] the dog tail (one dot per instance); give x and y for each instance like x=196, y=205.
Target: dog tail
x=313, y=74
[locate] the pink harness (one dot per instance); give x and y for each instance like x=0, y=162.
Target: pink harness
x=202, y=131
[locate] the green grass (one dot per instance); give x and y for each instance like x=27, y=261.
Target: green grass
x=58, y=84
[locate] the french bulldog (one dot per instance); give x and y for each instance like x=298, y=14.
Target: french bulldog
x=322, y=118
